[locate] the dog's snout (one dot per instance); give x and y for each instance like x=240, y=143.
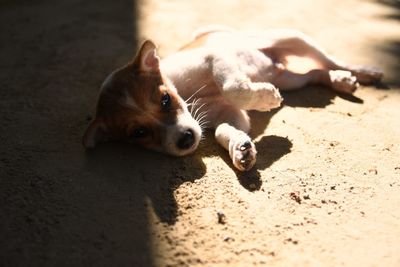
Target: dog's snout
x=186, y=140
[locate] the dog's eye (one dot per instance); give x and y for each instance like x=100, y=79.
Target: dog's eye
x=165, y=101
x=139, y=133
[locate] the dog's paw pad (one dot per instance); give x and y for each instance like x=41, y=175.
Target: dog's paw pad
x=244, y=155
x=245, y=145
x=343, y=81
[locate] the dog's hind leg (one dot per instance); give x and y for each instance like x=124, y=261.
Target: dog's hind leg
x=298, y=44
x=338, y=80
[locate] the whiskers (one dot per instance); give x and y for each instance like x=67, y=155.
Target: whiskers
x=195, y=105
x=198, y=110
x=198, y=90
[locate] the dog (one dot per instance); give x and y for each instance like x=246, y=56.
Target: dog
x=211, y=82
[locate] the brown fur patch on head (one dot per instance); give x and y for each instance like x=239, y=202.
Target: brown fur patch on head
x=131, y=101
x=145, y=90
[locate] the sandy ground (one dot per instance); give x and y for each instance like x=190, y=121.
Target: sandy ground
x=325, y=190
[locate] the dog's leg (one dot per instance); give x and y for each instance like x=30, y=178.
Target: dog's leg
x=338, y=80
x=231, y=127
x=300, y=45
x=241, y=149
x=237, y=87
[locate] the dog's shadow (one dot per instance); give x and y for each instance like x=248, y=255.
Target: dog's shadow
x=315, y=97
x=272, y=148
x=150, y=178
x=309, y=97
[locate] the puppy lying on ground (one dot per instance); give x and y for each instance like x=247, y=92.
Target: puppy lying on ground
x=210, y=83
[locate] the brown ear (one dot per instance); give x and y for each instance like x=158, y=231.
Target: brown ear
x=147, y=59
x=95, y=133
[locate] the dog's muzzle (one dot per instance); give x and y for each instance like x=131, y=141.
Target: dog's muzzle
x=186, y=140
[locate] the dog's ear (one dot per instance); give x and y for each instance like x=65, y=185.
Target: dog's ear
x=95, y=133
x=147, y=59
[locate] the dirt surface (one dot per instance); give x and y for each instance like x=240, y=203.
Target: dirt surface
x=325, y=190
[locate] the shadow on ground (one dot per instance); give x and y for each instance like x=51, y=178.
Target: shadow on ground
x=148, y=176
x=58, y=205
x=395, y=5
x=388, y=51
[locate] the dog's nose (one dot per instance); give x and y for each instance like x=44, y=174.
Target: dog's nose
x=186, y=140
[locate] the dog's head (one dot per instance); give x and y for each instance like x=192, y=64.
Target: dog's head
x=138, y=105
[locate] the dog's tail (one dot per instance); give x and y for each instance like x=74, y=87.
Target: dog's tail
x=209, y=29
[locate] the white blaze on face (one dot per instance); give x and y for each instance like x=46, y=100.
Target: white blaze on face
x=174, y=132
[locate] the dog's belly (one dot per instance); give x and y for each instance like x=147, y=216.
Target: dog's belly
x=256, y=65
x=191, y=73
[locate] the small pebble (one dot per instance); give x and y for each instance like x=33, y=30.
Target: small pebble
x=227, y=239
x=221, y=217
x=295, y=196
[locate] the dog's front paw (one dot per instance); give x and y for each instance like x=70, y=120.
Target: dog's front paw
x=343, y=81
x=244, y=155
x=266, y=96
